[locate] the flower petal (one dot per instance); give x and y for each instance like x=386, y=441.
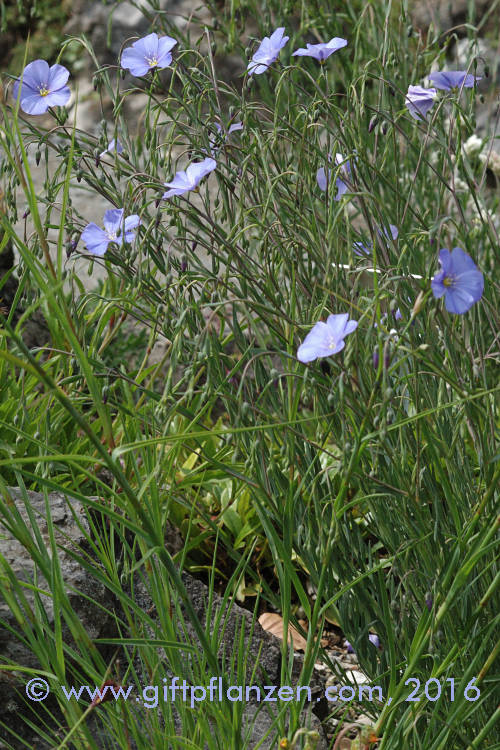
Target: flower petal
x=314, y=343
x=113, y=220
x=95, y=239
x=36, y=74
x=134, y=61
x=33, y=103
x=58, y=77
x=336, y=324
x=148, y=46
x=321, y=178
x=451, y=79
x=458, y=300
x=58, y=98
x=342, y=188
x=165, y=44
x=131, y=222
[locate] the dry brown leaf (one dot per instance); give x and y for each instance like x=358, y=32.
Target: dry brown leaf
x=273, y=623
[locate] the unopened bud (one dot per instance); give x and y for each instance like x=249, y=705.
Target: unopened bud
x=372, y=123
x=387, y=355
x=418, y=304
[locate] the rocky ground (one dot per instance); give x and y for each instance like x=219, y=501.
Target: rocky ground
x=89, y=598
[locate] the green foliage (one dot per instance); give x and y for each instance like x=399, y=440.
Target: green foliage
x=42, y=20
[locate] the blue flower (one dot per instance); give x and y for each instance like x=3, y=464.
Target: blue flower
x=183, y=182
x=372, y=637
x=321, y=51
x=459, y=280
x=116, y=229
x=150, y=52
x=453, y=79
x=323, y=176
x=362, y=249
x=267, y=52
x=42, y=87
x=325, y=339
x=419, y=101
x=113, y=145
x=222, y=135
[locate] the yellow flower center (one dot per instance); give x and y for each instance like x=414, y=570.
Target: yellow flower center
x=111, y=236
x=43, y=90
x=448, y=281
x=152, y=61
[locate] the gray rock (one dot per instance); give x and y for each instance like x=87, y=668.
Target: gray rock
x=263, y=649
x=82, y=589
x=445, y=14
x=126, y=22
x=70, y=537
x=35, y=332
x=70, y=526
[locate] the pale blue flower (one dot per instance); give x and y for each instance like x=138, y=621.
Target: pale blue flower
x=459, y=280
x=116, y=229
x=42, y=87
x=184, y=181
x=148, y=53
x=325, y=339
x=113, y=145
x=453, y=79
x=361, y=249
x=221, y=136
x=268, y=52
x=323, y=176
x=419, y=101
x=321, y=51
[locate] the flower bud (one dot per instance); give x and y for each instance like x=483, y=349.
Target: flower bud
x=372, y=123
x=418, y=304
x=387, y=356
